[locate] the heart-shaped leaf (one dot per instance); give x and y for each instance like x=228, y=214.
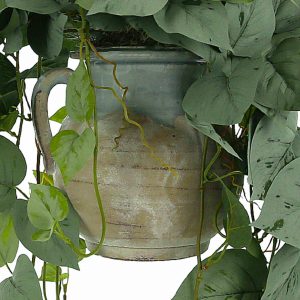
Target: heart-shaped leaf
x=24, y=283
x=47, y=206
x=12, y=172
x=71, y=151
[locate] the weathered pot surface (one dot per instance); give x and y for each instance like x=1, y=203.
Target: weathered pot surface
x=151, y=214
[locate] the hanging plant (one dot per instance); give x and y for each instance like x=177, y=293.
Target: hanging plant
x=172, y=105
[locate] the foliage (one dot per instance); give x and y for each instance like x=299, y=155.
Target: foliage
x=245, y=101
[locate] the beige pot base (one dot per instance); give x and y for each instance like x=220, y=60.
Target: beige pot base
x=147, y=254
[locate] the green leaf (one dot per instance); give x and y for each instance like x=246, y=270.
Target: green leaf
x=46, y=34
x=42, y=235
x=86, y=4
x=238, y=275
x=8, y=121
x=60, y=115
x=54, y=251
x=12, y=172
x=72, y=151
x=234, y=88
x=288, y=16
x=283, y=277
x=80, y=95
x=39, y=7
x=106, y=22
x=9, y=242
x=206, y=22
x=280, y=215
x=23, y=284
x=271, y=149
x=238, y=230
x=47, y=205
x=51, y=273
x=127, y=7
x=251, y=27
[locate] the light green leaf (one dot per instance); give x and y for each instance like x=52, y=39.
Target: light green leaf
x=86, y=4
x=23, y=284
x=42, y=235
x=106, y=22
x=51, y=273
x=238, y=230
x=271, y=150
x=39, y=7
x=251, y=27
x=283, y=280
x=288, y=16
x=208, y=130
x=280, y=215
x=12, y=172
x=72, y=151
x=233, y=88
x=47, y=205
x=9, y=242
x=60, y=115
x=46, y=34
x=54, y=251
x=127, y=7
x=80, y=95
x=205, y=22
x=238, y=275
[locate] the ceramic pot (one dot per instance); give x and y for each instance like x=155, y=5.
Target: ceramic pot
x=151, y=214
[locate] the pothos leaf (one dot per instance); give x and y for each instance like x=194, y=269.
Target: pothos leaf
x=71, y=151
x=60, y=115
x=39, y=7
x=288, y=16
x=200, y=22
x=280, y=215
x=237, y=275
x=271, y=149
x=80, y=99
x=283, y=277
x=233, y=88
x=23, y=284
x=12, y=172
x=50, y=273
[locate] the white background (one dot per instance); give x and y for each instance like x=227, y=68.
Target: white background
x=102, y=278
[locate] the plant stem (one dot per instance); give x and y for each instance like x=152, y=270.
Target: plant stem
x=33, y=259
x=57, y=281
x=65, y=286
x=275, y=240
x=20, y=96
x=21, y=192
x=202, y=207
x=44, y=281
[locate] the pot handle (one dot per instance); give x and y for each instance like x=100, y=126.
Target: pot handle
x=39, y=103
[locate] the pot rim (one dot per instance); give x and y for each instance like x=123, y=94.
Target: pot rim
x=141, y=54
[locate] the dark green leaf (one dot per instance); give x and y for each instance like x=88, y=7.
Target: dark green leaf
x=288, y=16
x=206, y=22
x=24, y=283
x=54, y=251
x=47, y=205
x=60, y=115
x=106, y=22
x=8, y=121
x=238, y=275
x=80, y=95
x=12, y=172
x=233, y=88
x=9, y=242
x=72, y=151
x=39, y=7
x=283, y=280
x=280, y=214
x=45, y=34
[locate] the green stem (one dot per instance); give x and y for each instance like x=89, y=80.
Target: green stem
x=275, y=240
x=44, y=281
x=65, y=286
x=57, y=283
x=21, y=192
x=202, y=208
x=8, y=268
x=20, y=96
x=33, y=258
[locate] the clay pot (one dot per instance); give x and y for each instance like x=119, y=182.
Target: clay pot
x=151, y=214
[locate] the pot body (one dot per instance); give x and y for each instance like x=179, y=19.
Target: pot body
x=151, y=213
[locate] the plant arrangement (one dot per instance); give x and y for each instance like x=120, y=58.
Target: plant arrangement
x=244, y=103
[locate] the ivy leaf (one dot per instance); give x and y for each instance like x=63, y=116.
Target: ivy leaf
x=39, y=7
x=80, y=95
x=251, y=27
x=71, y=151
x=280, y=215
x=238, y=275
x=127, y=7
x=233, y=88
x=46, y=34
x=54, y=251
x=50, y=271
x=60, y=115
x=42, y=235
x=283, y=281
x=288, y=16
x=271, y=149
x=47, y=206
x=8, y=121
x=106, y=22
x=12, y=172
x=9, y=242
x=238, y=230
x=86, y=4
x=23, y=284
x=200, y=22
